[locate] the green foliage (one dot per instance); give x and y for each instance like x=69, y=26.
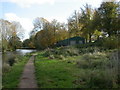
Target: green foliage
x=93, y=61
x=48, y=33
x=26, y=43
x=45, y=38
x=101, y=71
x=114, y=65
x=54, y=73
x=11, y=78
x=109, y=13
x=62, y=52
x=29, y=43
x=88, y=78
x=86, y=71
x=11, y=33
x=6, y=67
x=15, y=43
x=111, y=42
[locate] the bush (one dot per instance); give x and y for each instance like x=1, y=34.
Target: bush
x=51, y=57
x=99, y=79
x=72, y=51
x=101, y=70
x=115, y=65
x=111, y=42
x=94, y=79
x=89, y=50
x=95, y=60
x=61, y=57
x=62, y=52
x=5, y=67
x=83, y=64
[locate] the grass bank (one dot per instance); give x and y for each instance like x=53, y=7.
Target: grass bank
x=88, y=70
x=11, y=78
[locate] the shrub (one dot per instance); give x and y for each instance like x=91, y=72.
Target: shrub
x=62, y=52
x=94, y=79
x=102, y=72
x=51, y=57
x=72, y=51
x=83, y=64
x=48, y=52
x=99, y=79
x=61, y=57
x=111, y=42
x=115, y=65
x=89, y=50
x=5, y=67
x=93, y=60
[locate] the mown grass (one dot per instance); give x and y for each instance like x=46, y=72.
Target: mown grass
x=54, y=73
x=11, y=78
x=90, y=70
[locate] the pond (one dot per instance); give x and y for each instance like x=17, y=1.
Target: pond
x=10, y=55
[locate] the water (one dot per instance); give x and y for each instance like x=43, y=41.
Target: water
x=12, y=54
x=24, y=51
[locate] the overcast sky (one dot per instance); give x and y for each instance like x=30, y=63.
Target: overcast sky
x=25, y=11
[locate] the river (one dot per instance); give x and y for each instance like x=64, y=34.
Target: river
x=12, y=54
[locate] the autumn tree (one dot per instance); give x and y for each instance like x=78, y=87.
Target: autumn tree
x=82, y=23
x=48, y=33
x=74, y=26
x=5, y=33
x=9, y=30
x=87, y=20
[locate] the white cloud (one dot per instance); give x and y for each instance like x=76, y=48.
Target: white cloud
x=110, y=0
x=28, y=3
x=25, y=22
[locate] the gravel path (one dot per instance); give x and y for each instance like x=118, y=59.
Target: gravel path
x=28, y=76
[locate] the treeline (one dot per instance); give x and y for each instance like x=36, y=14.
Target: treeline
x=46, y=34
x=92, y=24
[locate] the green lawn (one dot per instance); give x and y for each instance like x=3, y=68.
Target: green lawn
x=11, y=78
x=54, y=73
x=83, y=71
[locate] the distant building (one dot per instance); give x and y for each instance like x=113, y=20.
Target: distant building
x=71, y=41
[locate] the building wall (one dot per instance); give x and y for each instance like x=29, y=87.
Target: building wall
x=72, y=42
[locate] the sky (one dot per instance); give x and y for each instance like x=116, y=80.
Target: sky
x=25, y=11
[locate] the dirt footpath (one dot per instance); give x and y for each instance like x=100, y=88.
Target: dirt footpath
x=28, y=76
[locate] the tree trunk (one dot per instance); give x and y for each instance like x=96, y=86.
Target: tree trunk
x=90, y=37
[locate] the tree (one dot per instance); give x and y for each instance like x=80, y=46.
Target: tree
x=39, y=24
x=62, y=34
x=55, y=26
x=5, y=33
x=87, y=22
x=74, y=26
x=109, y=14
x=29, y=43
x=26, y=43
x=46, y=33
x=15, y=42
x=9, y=30
x=44, y=39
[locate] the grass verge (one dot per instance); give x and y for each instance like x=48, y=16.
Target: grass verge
x=11, y=78
x=53, y=73
x=83, y=71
